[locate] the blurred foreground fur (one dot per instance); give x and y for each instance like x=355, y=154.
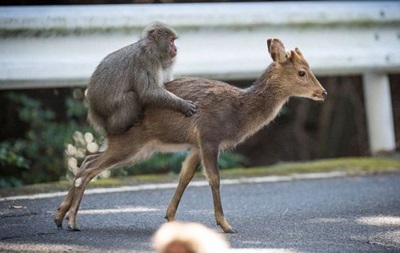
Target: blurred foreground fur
x=178, y=237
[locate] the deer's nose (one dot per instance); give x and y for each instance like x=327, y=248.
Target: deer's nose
x=324, y=94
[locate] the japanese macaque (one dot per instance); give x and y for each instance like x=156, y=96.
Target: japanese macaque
x=179, y=237
x=131, y=79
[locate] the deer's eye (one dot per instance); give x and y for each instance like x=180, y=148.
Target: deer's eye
x=302, y=73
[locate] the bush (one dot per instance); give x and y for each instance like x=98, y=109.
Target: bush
x=42, y=145
x=52, y=149
x=162, y=163
x=10, y=161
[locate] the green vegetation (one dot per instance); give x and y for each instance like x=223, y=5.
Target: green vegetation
x=352, y=166
x=52, y=149
x=37, y=157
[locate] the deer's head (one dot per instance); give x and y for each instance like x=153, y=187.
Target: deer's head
x=293, y=74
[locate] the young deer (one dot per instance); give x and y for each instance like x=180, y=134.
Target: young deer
x=226, y=116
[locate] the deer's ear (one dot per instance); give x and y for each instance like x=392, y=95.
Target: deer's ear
x=276, y=50
x=297, y=50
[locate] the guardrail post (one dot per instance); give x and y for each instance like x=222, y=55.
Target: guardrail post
x=378, y=105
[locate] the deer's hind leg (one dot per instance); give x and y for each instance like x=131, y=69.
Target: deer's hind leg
x=66, y=204
x=112, y=158
x=82, y=179
x=188, y=170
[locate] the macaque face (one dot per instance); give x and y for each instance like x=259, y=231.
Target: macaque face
x=172, y=47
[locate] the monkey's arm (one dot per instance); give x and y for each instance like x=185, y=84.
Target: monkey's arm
x=155, y=94
x=165, y=99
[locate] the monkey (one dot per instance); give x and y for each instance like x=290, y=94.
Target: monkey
x=130, y=79
x=183, y=237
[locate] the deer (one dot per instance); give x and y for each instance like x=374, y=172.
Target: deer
x=225, y=117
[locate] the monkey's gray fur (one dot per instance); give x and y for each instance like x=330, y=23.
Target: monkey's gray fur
x=133, y=77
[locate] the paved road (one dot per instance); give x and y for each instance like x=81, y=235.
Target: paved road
x=356, y=214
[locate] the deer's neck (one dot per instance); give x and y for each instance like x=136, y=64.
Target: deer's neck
x=262, y=103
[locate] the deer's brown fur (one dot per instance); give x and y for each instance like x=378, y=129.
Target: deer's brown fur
x=226, y=116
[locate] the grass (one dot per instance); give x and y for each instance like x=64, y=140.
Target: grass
x=352, y=166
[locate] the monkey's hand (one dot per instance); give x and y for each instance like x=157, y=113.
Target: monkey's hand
x=188, y=108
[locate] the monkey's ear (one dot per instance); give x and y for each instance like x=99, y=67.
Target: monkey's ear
x=277, y=50
x=152, y=34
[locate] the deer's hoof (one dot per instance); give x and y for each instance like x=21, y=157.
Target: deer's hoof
x=73, y=227
x=229, y=230
x=71, y=224
x=169, y=218
x=58, y=223
x=226, y=227
x=58, y=220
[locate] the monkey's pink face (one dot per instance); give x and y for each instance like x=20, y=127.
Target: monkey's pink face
x=172, y=48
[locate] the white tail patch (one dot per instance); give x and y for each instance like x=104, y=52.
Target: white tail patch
x=78, y=182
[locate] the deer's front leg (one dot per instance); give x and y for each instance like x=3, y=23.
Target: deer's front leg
x=188, y=170
x=210, y=161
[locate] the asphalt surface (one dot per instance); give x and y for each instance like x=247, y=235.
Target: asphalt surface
x=353, y=214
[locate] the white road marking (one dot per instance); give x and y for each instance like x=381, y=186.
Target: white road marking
x=118, y=210
x=146, y=187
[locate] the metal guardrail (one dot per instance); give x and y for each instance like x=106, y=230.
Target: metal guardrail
x=57, y=46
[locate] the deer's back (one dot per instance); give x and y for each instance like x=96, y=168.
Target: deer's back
x=203, y=91
x=216, y=117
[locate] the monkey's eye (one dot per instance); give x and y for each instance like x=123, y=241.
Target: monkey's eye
x=302, y=73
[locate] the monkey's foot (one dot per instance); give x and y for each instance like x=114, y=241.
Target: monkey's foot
x=138, y=120
x=136, y=123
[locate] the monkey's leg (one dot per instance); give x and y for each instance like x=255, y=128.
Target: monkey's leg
x=66, y=204
x=188, y=169
x=209, y=152
x=127, y=114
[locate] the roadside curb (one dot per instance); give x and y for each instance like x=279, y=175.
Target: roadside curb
x=202, y=183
